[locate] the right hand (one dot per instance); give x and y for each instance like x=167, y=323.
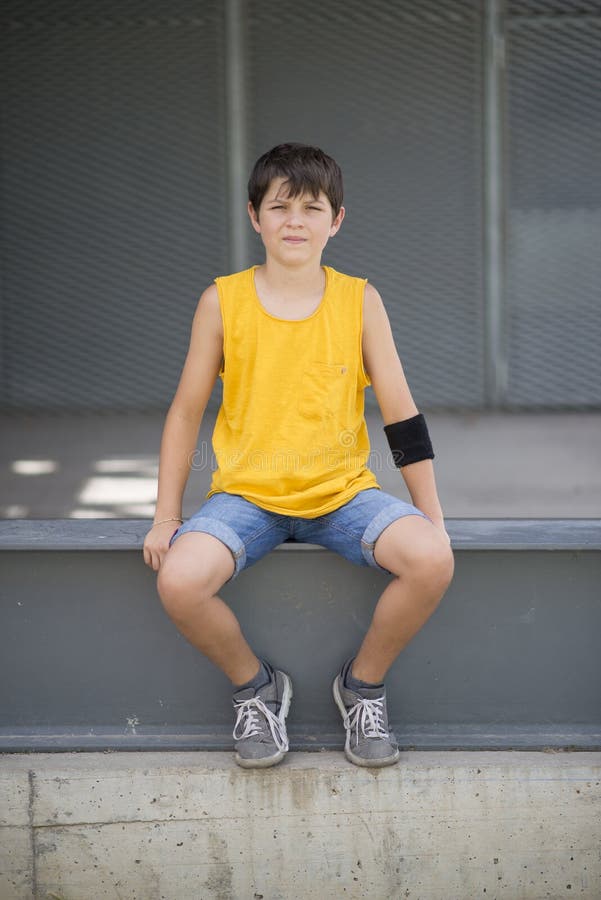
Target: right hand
x=156, y=544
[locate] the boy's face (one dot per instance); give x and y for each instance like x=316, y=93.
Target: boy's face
x=294, y=230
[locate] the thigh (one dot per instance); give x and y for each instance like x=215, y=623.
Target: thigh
x=353, y=529
x=246, y=530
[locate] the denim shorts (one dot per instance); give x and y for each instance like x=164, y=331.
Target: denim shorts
x=250, y=531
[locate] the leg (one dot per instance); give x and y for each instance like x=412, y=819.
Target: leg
x=226, y=535
x=422, y=561
x=194, y=569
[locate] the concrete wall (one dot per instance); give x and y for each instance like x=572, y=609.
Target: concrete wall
x=193, y=826
x=89, y=660
x=510, y=659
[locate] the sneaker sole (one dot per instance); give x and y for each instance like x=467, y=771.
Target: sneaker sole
x=265, y=761
x=359, y=760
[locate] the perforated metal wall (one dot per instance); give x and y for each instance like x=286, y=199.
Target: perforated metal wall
x=392, y=91
x=115, y=189
x=113, y=214
x=554, y=215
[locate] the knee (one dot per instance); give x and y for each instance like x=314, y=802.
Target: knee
x=180, y=591
x=172, y=590
x=445, y=566
x=431, y=564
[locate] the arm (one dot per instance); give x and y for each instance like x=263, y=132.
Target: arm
x=182, y=423
x=382, y=364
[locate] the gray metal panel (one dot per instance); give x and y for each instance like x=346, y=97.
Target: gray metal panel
x=89, y=659
x=554, y=221
x=114, y=217
x=114, y=184
x=393, y=91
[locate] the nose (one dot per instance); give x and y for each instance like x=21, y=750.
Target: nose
x=294, y=218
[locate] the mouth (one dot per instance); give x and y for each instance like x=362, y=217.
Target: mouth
x=294, y=240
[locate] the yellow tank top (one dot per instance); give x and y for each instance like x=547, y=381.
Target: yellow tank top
x=290, y=435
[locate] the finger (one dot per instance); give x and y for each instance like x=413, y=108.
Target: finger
x=148, y=556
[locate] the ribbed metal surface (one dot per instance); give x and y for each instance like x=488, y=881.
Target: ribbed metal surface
x=554, y=220
x=393, y=91
x=115, y=185
x=113, y=197
x=540, y=8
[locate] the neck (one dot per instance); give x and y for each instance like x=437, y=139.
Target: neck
x=301, y=280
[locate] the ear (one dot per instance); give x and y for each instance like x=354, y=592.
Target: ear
x=337, y=221
x=254, y=219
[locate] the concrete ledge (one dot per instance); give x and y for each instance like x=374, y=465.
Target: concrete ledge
x=183, y=826
x=533, y=736
x=466, y=534
x=90, y=661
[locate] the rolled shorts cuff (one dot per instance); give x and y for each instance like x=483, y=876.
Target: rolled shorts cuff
x=223, y=532
x=377, y=525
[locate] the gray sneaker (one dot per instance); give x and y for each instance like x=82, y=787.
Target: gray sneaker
x=368, y=740
x=260, y=729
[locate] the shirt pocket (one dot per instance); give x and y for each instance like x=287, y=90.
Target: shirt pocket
x=324, y=391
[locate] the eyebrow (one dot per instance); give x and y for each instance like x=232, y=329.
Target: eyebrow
x=287, y=199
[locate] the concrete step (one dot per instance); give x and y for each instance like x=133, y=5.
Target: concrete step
x=90, y=661
x=194, y=826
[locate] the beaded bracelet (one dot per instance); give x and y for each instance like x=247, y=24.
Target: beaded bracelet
x=172, y=519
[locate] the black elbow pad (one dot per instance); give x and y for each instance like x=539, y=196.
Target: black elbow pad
x=409, y=441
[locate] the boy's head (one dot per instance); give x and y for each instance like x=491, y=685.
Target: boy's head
x=306, y=170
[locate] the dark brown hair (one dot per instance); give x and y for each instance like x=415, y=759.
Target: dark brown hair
x=307, y=170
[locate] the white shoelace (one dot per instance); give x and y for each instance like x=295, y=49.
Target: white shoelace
x=248, y=719
x=369, y=716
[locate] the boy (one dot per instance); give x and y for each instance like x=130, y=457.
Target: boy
x=296, y=343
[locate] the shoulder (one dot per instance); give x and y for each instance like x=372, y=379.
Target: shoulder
x=208, y=310
x=219, y=301
x=209, y=299
x=210, y=295
x=371, y=296
x=227, y=282
x=374, y=310
x=346, y=285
